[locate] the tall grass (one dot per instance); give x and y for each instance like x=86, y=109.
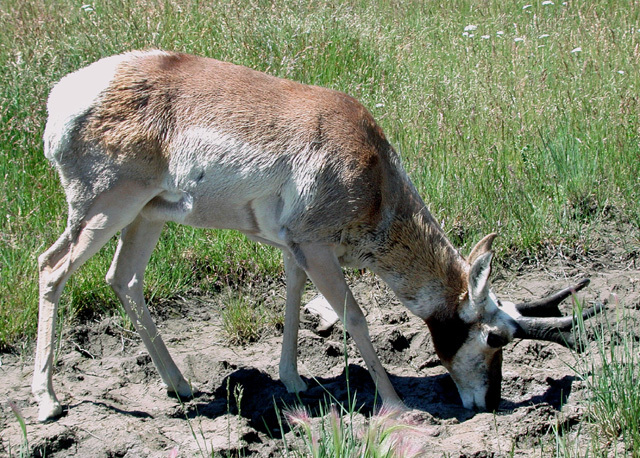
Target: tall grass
x=611, y=373
x=516, y=118
x=616, y=403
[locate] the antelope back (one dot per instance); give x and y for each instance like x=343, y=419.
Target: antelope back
x=225, y=146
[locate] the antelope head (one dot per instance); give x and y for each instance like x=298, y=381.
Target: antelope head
x=470, y=340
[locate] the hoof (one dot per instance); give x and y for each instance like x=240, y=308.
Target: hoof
x=295, y=385
x=182, y=390
x=49, y=409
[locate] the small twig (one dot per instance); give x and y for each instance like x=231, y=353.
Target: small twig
x=92, y=374
x=84, y=352
x=86, y=431
x=124, y=330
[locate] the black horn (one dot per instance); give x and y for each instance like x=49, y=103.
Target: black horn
x=548, y=307
x=553, y=329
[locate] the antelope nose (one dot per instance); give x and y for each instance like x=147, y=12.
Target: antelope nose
x=475, y=403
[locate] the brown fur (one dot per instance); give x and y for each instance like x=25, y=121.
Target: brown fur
x=153, y=97
x=422, y=253
x=153, y=94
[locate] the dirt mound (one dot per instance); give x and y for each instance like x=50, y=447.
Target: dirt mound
x=116, y=406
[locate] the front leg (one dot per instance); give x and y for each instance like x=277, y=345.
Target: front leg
x=323, y=268
x=296, y=279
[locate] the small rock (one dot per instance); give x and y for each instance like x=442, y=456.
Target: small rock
x=321, y=308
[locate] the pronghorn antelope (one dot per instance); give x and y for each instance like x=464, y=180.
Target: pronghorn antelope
x=143, y=138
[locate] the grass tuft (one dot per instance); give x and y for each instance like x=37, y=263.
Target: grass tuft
x=244, y=322
x=615, y=398
x=339, y=432
x=611, y=372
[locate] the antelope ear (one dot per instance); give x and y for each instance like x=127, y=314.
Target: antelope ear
x=479, y=277
x=482, y=247
x=478, y=287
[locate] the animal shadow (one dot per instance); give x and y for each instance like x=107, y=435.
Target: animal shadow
x=260, y=399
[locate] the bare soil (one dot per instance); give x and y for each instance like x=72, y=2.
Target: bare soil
x=115, y=405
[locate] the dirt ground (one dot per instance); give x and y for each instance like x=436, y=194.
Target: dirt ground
x=115, y=405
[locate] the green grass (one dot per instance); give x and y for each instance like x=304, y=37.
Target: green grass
x=245, y=321
x=340, y=432
x=23, y=451
x=611, y=373
x=507, y=127
x=616, y=398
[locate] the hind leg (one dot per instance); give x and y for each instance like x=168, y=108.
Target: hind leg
x=84, y=236
x=56, y=266
x=125, y=276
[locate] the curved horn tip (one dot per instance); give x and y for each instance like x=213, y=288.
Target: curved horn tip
x=548, y=306
x=582, y=284
x=481, y=247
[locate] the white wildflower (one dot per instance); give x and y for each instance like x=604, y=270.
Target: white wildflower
x=485, y=37
x=518, y=39
x=621, y=72
x=547, y=2
x=379, y=105
x=575, y=50
x=526, y=7
x=87, y=8
x=544, y=35
x=500, y=33
x=470, y=28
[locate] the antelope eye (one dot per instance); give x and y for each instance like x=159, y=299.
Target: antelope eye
x=496, y=340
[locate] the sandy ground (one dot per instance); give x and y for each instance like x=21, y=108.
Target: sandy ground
x=115, y=405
